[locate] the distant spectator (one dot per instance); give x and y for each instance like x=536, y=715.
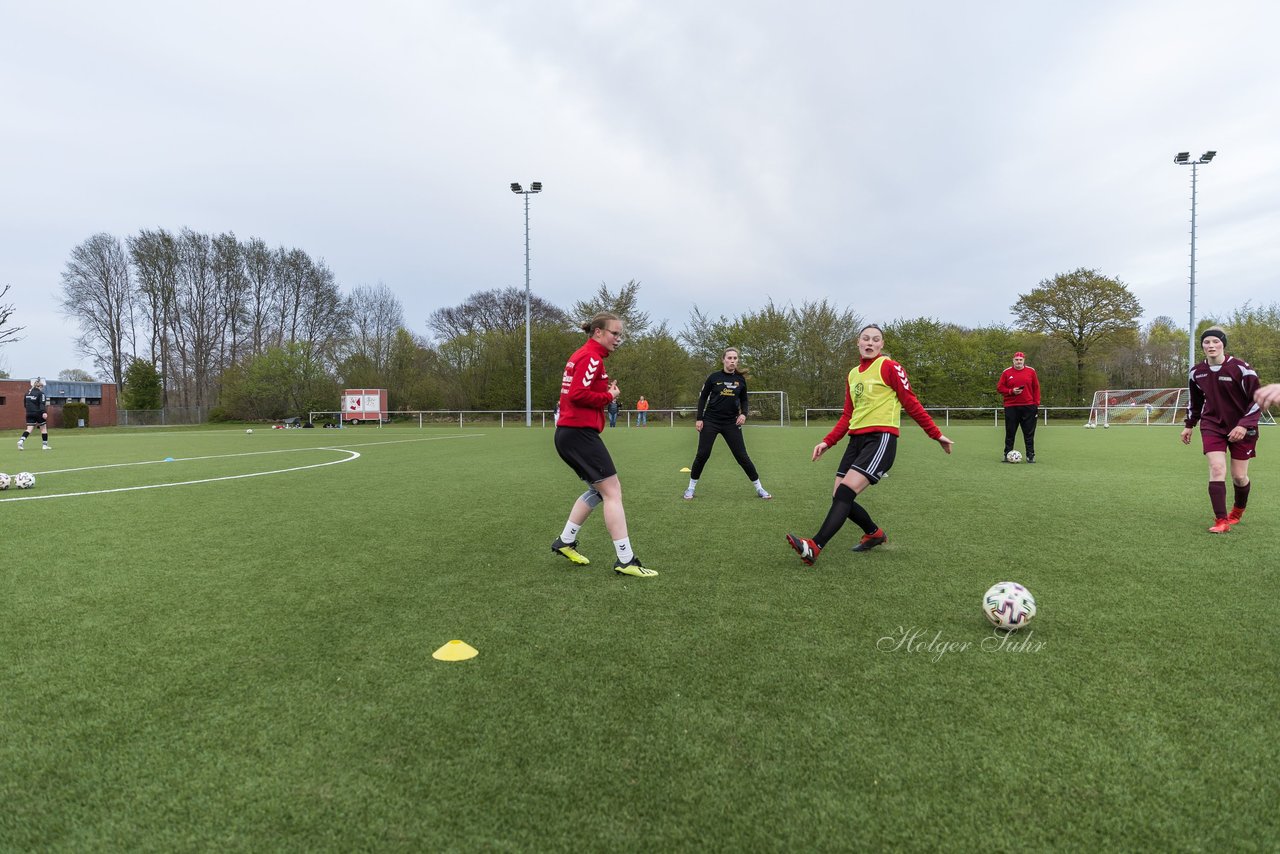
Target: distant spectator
x=613, y=412
x=642, y=408
x=1020, y=387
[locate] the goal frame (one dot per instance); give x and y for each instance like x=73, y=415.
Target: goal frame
x=1143, y=407
x=784, y=414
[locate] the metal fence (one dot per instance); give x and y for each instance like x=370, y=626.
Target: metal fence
x=170, y=415
x=967, y=414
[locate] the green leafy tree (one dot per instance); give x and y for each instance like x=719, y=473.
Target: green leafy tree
x=143, y=387
x=282, y=382
x=656, y=366
x=75, y=375
x=1083, y=308
x=1254, y=333
x=625, y=303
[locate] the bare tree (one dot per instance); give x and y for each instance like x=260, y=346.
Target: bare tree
x=154, y=255
x=6, y=311
x=263, y=293
x=98, y=293
x=232, y=285
x=494, y=311
x=376, y=317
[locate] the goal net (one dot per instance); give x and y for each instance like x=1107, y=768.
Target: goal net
x=769, y=407
x=1141, y=406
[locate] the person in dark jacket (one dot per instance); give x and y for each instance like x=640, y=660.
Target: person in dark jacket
x=722, y=410
x=34, y=403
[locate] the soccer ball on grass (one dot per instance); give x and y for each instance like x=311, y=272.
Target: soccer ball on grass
x=4, y=481
x=1013, y=457
x=1008, y=605
x=24, y=480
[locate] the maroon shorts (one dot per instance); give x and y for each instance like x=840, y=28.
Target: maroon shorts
x=1245, y=449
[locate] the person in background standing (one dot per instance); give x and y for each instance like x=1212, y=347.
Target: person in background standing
x=642, y=407
x=37, y=416
x=1021, y=389
x=722, y=410
x=613, y=412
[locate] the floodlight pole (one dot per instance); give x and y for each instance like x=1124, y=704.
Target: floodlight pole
x=535, y=187
x=1183, y=158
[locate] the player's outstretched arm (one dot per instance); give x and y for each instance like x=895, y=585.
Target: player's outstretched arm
x=945, y=443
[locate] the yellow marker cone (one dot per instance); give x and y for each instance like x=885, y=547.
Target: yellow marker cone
x=455, y=650
x=686, y=469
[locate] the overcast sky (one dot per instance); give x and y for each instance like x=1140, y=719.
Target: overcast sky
x=900, y=159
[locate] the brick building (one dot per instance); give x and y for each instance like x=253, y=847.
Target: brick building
x=101, y=398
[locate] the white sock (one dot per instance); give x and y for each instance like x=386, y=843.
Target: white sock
x=757, y=485
x=623, y=548
x=570, y=533
x=693, y=484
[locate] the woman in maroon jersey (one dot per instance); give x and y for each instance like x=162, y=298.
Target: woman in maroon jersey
x=586, y=390
x=1222, y=389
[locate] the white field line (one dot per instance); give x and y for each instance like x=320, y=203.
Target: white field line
x=352, y=455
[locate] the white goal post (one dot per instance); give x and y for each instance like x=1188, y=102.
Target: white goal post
x=769, y=407
x=1140, y=406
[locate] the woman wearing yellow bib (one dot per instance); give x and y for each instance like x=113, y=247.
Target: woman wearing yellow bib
x=876, y=392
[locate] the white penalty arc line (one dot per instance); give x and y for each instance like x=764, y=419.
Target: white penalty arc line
x=257, y=454
x=351, y=455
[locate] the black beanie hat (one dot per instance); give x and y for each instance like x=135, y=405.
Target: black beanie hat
x=1216, y=333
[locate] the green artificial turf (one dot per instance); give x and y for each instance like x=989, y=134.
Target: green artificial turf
x=245, y=663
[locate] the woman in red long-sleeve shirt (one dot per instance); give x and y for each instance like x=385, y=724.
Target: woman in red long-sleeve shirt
x=585, y=392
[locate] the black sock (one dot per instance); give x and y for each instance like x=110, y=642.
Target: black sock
x=1242, y=495
x=841, y=506
x=25, y=434
x=860, y=517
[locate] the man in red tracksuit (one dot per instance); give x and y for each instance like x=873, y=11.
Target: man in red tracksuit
x=1021, y=390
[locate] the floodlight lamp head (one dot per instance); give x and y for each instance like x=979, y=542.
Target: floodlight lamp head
x=536, y=186
x=1207, y=156
x=515, y=188
x=1180, y=157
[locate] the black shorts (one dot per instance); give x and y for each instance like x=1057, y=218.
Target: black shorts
x=869, y=453
x=36, y=419
x=584, y=451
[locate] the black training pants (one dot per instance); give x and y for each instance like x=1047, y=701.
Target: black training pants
x=1024, y=417
x=733, y=438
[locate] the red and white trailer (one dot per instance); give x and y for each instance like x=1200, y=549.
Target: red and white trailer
x=364, y=404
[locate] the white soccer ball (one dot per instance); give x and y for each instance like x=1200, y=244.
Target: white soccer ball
x=250, y=430
x=1014, y=456
x=1090, y=425
x=1008, y=605
x=1106, y=426
x=24, y=480
x=4, y=481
